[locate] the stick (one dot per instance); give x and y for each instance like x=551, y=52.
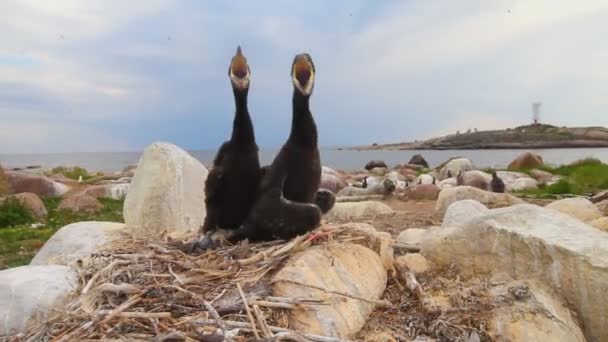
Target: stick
x=245, y=326
x=372, y=301
x=177, y=278
x=257, y=257
x=216, y=316
x=248, y=311
x=261, y=321
x=133, y=314
x=122, y=288
x=273, y=304
x=103, y=270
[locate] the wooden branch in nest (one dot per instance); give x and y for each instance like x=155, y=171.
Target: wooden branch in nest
x=108, y=268
x=359, y=198
x=277, y=330
x=266, y=332
x=371, y=301
x=134, y=314
x=247, y=310
x=118, y=289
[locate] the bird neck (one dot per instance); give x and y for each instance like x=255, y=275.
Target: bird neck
x=242, y=128
x=303, y=127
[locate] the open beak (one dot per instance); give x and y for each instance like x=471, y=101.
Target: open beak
x=239, y=71
x=303, y=73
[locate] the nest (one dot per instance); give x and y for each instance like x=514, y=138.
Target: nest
x=143, y=290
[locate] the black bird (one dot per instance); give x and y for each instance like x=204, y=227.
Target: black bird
x=231, y=185
x=290, y=202
x=497, y=185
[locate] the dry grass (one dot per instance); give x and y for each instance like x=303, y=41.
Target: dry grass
x=4, y=187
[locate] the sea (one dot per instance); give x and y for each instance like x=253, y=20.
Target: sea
x=340, y=159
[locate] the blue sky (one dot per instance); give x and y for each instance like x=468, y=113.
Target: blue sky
x=102, y=75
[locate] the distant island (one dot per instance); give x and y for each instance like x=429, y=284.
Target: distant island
x=523, y=137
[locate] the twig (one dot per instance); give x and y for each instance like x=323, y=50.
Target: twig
x=177, y=278
x=247, y=310
x=261, y=321
x=372, y=301
x=102, y=271
x=245, y=326
x=216, y=316
x=273, y=304
x=122, y=288
x=134, y=314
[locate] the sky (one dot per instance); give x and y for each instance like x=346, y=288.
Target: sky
x=104, y=75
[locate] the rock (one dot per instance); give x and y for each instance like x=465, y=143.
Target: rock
x=131, y=167
x=526, y=160
x=543, y=177
x=522, y=184
x=577, y=207
x=450, y=195
x=478, y=179
x=411, y=167
x=418, y=159
x=599, y=197
x=4, y=186
x=39, y=185
x=423, y=192
x=357, y=210
x=113, y=191
x=461, y=212
x=80, y=202
x=455, y=166
x=375, y=163
x=533, y=313
x=385, y=188
x=529, y=242
x=32, y=202
x=414, y=262
x=511, y=176
x=603, y=207
x=167, y=192
x=382, y=336
x=29, y=293
x=378, y=171
x=413, y=236
x=76, y=242
x=348, y=268
x=426, y=179
x=448, y=183
x=332, y=182
x=600, y=223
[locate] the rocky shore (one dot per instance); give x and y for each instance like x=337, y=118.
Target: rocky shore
x=522, y=137
x=408, y=253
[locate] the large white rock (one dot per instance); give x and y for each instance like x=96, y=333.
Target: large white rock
x=76, y=242
x=347, y=268
x=524, y=183
x=535, y=314
x=450, y=195
x=461, y=212
x=413, y=236
x=530, y=242
x=28, y=293
x=600, y=223
x=510, y=176
x=357, y=210
x=167, y=192
x=114, y=191
x=455, y=166
x=577, y=207
x=448, y=183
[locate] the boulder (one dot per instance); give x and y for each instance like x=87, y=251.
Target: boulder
x=422, y=192
x=347, y=268
x=450, y=195
x=448, y=183
x=529, y=242
x=461, y=212
x=385, y=188
x=510, y=176
x=577, y=207
x=332, y=182
x=600, y=223
x=32, y=202
x=80, y=202
x=543, y=177
x=414, y=262
x=375, y=163
x=526, y=160
x=39, y=185
x=76, y=242
x=527, y=311
x=454, y=167
x=426, y=179
x=167, y=192
x=603, y=207
x=520, y=184
x=113, y=191
x=418, y=159
x=475, y=178
x=411, y=167
x=379, y=171
x=357, y=210
x=413, y=236
x=29, y=293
